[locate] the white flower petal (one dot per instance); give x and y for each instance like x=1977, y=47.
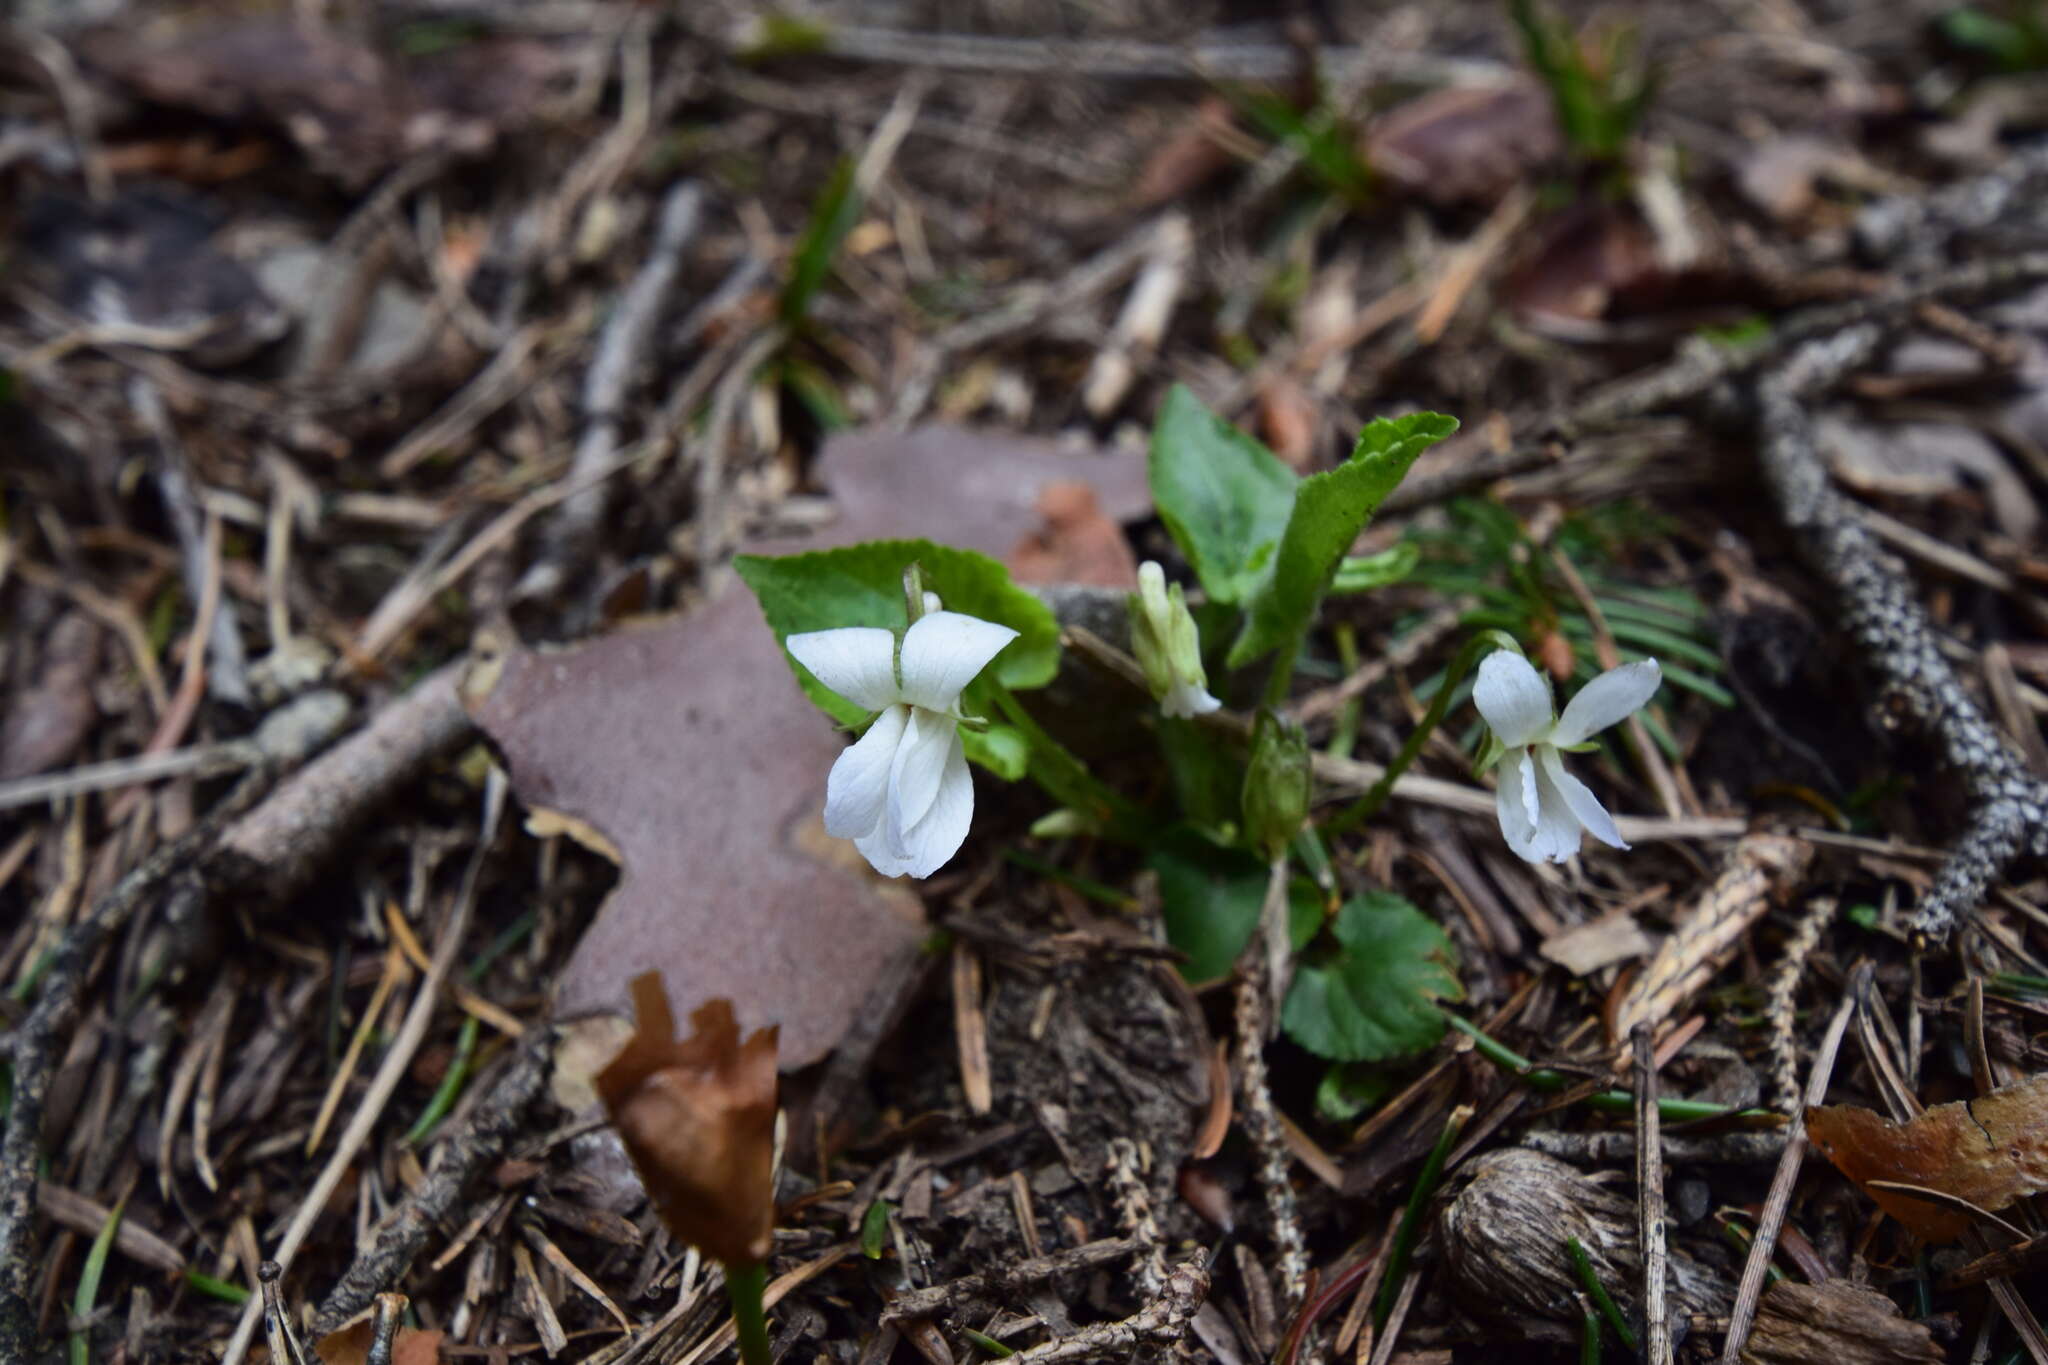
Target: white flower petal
x=1585, y=806
x=943, y=652
x=858, y=789
x=881, y=855
x=1515, y=802
x=1613, y=696
x=1557, y=826
x=920, y=764
x=1187, y=701
x=1513, y=698
x=932, y=841
x=857, y=662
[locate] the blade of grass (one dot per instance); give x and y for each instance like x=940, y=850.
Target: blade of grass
x=1590, y=1278
x=89, y=1285
x=833, y=215
x=1413, y=1216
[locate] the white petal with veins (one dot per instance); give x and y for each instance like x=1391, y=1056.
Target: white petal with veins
x=920, y=764
x=943, y=652
x=1612, y=697
x=1557, y=828
x=1513, y=698
x=1578, y=797
x=928, y=845
x=857, y=662
x=858, y=790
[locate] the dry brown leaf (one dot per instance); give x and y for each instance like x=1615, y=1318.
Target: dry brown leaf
x=698, y=1117
x=1838, y=1322
x=353, y=112
x=684, y=745
x=46, y=723
x=351, y=1345
x=1074, y=543
x=1196, y=153
x=1584, y=259
x=1288, y=420
x=1990, y=1151
x=1466, y=144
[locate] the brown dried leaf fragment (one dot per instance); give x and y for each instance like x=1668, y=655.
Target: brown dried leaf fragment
x=698, y=1118
x=1990, y=1151
x=1075, y=542
x=1466, y=144
x=351, y=1345
x=1839, y=1322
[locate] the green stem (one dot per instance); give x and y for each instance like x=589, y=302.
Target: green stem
x=1368, y=805
x=1281, y=680
x=1413, y=1217
x=1610, y=1101
x=1344, y=735
x=1064, y=777
x=744, y=1284
x=1604, y=1301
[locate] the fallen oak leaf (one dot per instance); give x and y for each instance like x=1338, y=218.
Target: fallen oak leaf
x=697, y=1116
x=1988, y=1151
x=682, y=746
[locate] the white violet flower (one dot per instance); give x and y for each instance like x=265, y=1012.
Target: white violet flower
x=901, y=792
x=1542, y=807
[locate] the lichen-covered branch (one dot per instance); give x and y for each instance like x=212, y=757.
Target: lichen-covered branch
x=2009, y=807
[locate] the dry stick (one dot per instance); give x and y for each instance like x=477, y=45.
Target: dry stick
x=30, y=1049
x=2010, y=806
x=1162, y=1322
x=1262, y=1125
x=621, y=349
x=1780, y=1004
x=390, y=1071
x=1780, y=1198
x=1650, y=1199
x=276, y=849
x=494, y=1122
x=227, y=677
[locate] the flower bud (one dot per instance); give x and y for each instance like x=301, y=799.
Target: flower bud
x=698, y=1119
x=1276, y=785
x=1169, y=648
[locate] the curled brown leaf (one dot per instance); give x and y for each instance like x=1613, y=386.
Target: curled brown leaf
x=698, y=1118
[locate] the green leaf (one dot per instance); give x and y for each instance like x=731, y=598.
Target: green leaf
x=1330, y=509
x=1210, y=898
x=1368, y=572
x=862, y=585
x=1349, y=1089
x=833, y=215
x=1002, y=749
x=1225, y=498
x=874, y=1230
x=1375, y=997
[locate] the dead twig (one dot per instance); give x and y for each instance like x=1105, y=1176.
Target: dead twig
x=1780, y=1198
x=2009, y=805
x=1650, y=1200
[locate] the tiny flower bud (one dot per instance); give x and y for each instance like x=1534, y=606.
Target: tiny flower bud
x=1168, y=646
x=1276, y=785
